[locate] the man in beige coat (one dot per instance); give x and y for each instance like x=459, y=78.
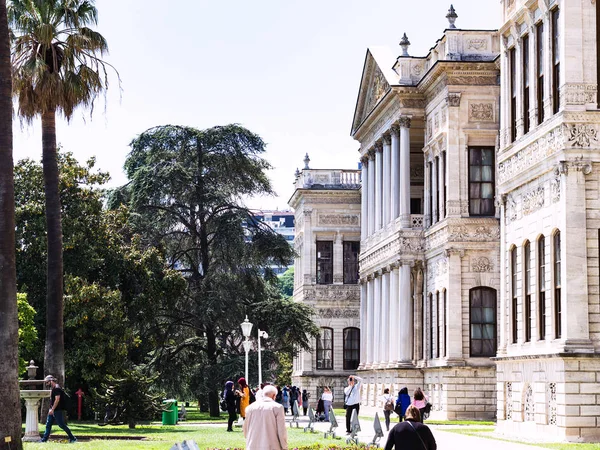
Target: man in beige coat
x=264, y=427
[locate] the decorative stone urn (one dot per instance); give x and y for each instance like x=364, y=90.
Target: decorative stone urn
x=32, y=399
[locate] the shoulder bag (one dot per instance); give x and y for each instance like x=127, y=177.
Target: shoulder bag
x=347, y=397
x=418, y=435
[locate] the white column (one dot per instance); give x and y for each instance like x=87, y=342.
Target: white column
x=455, y=324
x=364, y=197
x=376, y=335
x=427, y=209
x=434, y=190
x=406, y=316
x=369, y=329
x=387, y=166
x=363, y=322
x=392, y=322
x=405, y=172
x=378, y=186
x=395, y=173
x=443, y=178
x=371, y=192
x=385, y=313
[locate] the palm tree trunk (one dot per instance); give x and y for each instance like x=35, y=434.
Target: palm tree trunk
x=10, y=413
x=54, y=356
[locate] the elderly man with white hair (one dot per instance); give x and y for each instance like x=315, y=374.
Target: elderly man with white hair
x=264, y=427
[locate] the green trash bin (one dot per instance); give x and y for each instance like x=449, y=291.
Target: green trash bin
x=169, y=415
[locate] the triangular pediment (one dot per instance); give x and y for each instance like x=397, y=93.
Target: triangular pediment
x=375, y=83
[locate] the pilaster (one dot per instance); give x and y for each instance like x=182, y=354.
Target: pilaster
x=455, y=322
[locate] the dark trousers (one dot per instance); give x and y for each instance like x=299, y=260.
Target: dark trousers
x=349, y=409
x=232, y=418
x=305, y=410
x=387, y=419
x=60, y=420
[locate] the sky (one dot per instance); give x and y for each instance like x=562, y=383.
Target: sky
x=287, y=70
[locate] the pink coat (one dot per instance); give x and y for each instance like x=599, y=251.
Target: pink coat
x=264, y=427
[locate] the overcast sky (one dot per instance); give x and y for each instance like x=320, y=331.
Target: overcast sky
x=285, y=69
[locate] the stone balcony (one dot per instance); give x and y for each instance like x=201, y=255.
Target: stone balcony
x=327, y=179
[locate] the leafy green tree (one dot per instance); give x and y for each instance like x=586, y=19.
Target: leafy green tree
x=185, y=192
x=10, y=413
x=286, y=283
x=27, y=330
x=57, y=67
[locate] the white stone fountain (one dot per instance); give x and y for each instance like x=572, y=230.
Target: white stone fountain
x=32, y=399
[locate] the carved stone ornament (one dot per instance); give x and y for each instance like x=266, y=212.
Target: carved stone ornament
x=481, y=112
x=454, y=98
x=404, y=122
x=470, y=80
x=510, y=210
x=337, y=293
x=555, y=188
x=338, y=313
x=482, y=264
x=379, y=87
x=413, y=103
x=477, y=44
x=582, y=135
x=338, y=219
x=533, y=201
x=579, y=93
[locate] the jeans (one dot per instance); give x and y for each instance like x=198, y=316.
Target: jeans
x=326, y=405
x=387, y=419
x=60, y=420
x=349, y=409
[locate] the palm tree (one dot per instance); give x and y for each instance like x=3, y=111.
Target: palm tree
x=57, y=66
x=10, y=414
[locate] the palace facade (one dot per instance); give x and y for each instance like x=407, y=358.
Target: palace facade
x=480, y=223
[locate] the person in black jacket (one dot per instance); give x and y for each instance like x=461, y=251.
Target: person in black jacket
x=411, y=434
x=230, y=399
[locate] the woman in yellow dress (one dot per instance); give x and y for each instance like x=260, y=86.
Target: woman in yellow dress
x=244, y=394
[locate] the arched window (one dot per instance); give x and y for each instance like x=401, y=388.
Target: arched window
x=325, y=349
x=513, y=272
x=541, y=247
x=351, y=348
x=482, y=318
x=557, y=282
x=527, y=289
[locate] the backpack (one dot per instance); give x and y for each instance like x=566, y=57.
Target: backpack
x=389, y=405
x=252, y=396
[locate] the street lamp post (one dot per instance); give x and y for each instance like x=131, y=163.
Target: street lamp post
x=246, y=330
x=262, y=334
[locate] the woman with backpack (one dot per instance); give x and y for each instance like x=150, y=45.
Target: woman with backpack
x=402, y=402
x=388, y=406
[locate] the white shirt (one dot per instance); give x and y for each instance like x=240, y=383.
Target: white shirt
x=352, y=396
x=327, y=397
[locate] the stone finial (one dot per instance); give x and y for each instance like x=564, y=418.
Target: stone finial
x=404, y=44
x=306, y=161
x=451, y=16
x=297, y=173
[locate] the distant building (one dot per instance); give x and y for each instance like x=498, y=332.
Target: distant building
x=281, y=222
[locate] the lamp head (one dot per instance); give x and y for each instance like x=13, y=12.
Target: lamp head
x=246, y=327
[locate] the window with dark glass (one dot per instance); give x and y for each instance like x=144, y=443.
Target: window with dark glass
x=351, y=348
x=539, y=50
x=415, y=206
x=557, y=283
x=483, y=321
x=527, y=275
x=325, y=349
x=555, y=60
x=437, y=189
x=431, y=326
x=430, y=170
x=351, y=251
x=481, y=181
x=443, y=205
x=542, y=286
x=513, y=270
x=324, y=262
x=445, y=325
x=512, y=61
x=439, y=323
x=525, y=65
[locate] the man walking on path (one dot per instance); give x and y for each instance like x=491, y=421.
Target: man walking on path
x=352, y=398
x=56, y=411
x=264, y=427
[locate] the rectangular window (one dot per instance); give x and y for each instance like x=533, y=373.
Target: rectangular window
x=483, y=321
x=557, y=284
x=351, y=251
x=539, y=44
x=430, y=326
x=415, y=206
x=443, y=205
x=542, y=286
x=430, y=170
x=513, y=269
x=481, y=181
x=525, y=47
x=439, y=323
x=527, y=274
x=437, y=189
x=555, y=61
x=351, y=348
x=324, y=262
x=512, y=60
x=325, y=349
x=445, y=326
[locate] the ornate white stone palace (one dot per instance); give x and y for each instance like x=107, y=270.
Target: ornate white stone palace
x=480, y=222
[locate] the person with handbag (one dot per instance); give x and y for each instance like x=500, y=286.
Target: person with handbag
x=411, y=434
x=352, y=398
x=388, y=406
x=422, y=404
x=402, y=402
x=228, y=404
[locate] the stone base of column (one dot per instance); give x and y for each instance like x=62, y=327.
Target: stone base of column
x=455, y=362
x=405, y=221
x=578, y=346
x=401, y=365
